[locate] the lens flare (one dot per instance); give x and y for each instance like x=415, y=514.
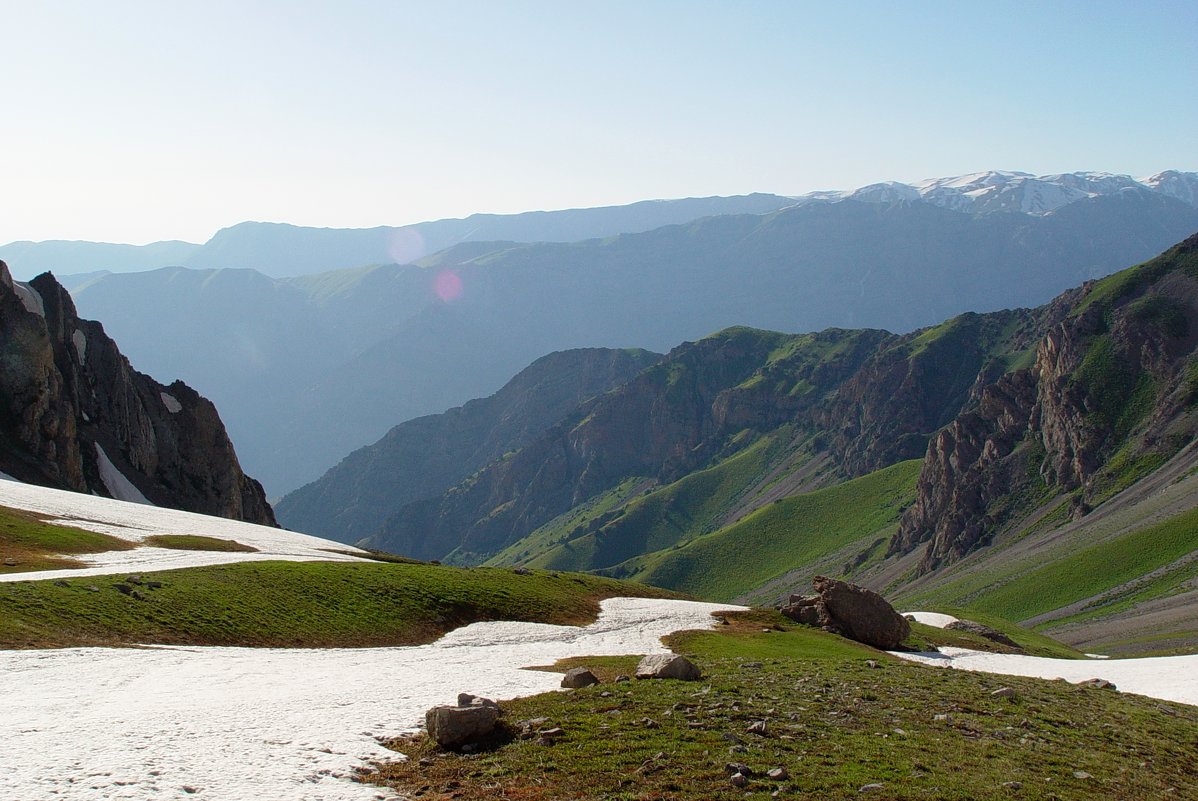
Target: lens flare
x=448, y=286
x=406, y=245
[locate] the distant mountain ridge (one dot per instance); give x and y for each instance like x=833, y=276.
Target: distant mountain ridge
x=307, y=369
x=283, y=250
x=75, y=415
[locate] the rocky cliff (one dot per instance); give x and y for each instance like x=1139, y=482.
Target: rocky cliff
x=1111, y=394
x=75, y=415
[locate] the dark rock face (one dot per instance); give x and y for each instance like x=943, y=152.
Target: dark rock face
x=75, y=415
x=982, y=630
x=850, y=611
x=1112, y=372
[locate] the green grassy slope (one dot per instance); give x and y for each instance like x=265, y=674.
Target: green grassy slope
x=835, y=724
x=788, y=534
x=306, y=604
x=29, y=543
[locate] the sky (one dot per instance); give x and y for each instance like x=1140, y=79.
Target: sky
x=131, y=121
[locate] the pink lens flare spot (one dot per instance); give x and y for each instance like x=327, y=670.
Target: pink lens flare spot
x=448, y=286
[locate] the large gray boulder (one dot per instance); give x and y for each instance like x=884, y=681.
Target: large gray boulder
x=667, y=666
x=455, y=726
x=576, y=678
x=850, y=611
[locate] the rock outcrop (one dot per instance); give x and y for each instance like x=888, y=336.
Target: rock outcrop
x=850, y=611
x=75, y=415
x=464, y=724
x=667, y=666
x=1112, y=374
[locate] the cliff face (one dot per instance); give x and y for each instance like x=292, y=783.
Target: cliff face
x=75, y=415
x=1113, y=385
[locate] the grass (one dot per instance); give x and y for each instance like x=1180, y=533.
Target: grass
x=1087, y=572
x=32, y=544
x=793, y=532
x=195, y=542
x=300, y=604
x=835, y=724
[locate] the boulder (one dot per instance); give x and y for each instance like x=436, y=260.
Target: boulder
x=578, y=677
x=455, y=726
x=982, y=630
x=851, y=611
x=667, y=666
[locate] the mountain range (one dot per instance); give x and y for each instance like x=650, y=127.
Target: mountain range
x=1039, y=463
x=307, y=369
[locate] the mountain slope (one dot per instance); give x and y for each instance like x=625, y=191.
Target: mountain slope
x=75, y=415
x=424, y=457
x=306, y=370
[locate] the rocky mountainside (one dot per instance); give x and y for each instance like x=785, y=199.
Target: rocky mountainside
x=307, y=369
x=75, y=415
x=422, y=458
x=1111, y=395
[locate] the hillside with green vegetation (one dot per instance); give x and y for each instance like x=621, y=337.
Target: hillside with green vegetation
x=841, y=722
x=28, y=542
x=293, y=604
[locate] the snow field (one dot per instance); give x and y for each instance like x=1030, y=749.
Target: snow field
x=229, y=724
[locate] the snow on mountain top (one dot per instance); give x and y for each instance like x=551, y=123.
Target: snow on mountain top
x=135, y=522
x=1009, y=190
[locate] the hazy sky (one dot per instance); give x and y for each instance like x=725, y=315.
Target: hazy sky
x=136, y=121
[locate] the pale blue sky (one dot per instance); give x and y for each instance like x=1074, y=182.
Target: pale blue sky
x=136, y=121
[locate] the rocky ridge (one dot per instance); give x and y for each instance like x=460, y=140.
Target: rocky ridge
x=75, y=415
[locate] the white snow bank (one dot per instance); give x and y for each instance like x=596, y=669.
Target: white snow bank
x=239, y=723
x=118, y=485
x=79, y=339
x=135, y=522
x=30, y=298
x=170, y=402
x=931, y=618
x=1170, y=678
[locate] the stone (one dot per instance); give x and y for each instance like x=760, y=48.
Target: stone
x=469, y=699
x=851, y=611
x=61, y=583
x=1098, y=684
x=870, y=788
x=739, y=780
x=759, y=727
x=732, y=768
x=10, y=562
x=579, y=677
x=622, y=678
x=133, y=579
x=123, y=589
x=522, y=571
x=992, y=634
x=1013, y=785
x=667, y=666
x=1003, y=692
x=1081, y=774
x=454, y=726
x=778, y=774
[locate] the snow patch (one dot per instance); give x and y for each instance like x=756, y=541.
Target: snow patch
x=118, y=486
x=135, y=522
x=171, y=402
x=6, y=477
x=1169, y=678
x=240, y=723
x=80, y=341
x=30, y=298
x=931, y=618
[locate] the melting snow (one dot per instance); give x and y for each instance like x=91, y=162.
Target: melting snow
x=118, y=486
x=171, y=402
x=1170, y=678
x=79, y=339
x=239, y=723
x=135, y=522
x=931, y=618
x=30, y=298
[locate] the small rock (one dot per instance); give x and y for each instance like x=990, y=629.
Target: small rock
x=732, y=738
x=153, y=585
x=10, y=562
x=1098, y=684
x=1003, y=692
x=739, y=780
x=870, y=788
x=622, y=678
x=759, y=727
x=62, y=583
x=187, y=788
x=778, y=774
x=1081, y=774
x=469, y=699
x=576, y=678
x=554, y=733
x=123, y=589
x=871, y=664
x=667, y=666
x=92, y=588
x=522, y=571
x=732, y=768
x=133, y=579
x=1013, y=785
x=649, y=723
x=751, y=665
x=606, y=694
x=425, y=762
x=944, y=718
x=737, y=749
